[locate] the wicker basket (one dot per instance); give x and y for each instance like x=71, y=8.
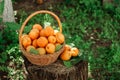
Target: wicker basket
x=40, y=60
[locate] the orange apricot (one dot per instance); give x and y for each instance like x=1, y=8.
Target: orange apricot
x=49, y=31
x=42, y=41
x=26, y=41
x=65, y=55
x=74, y=51
x=34, y=43
x=42, y=32
x=50, y=48
x=60, y=37
x=37, y=26
x=52, y=39
x=34, y=34
x=39, y=1
x=41, y=51
x=67, y=47
x=29, y=48
x=24, y=35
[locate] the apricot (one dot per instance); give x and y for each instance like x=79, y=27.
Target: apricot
x=60, y=37
x=52, y=39
x=24, y=35
x=29, y=48
x=34, y=43
x=49, y=31
x=74, y=51
x=42, y=32
x=67, y=47
x=39, y=1
x=50, y=48
x=41, y=51
x=34, y=34
x=26, y=41
x=65, y=55
x=42, y=42
x=37, y=26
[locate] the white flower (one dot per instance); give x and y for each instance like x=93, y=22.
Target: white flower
x=47, y=24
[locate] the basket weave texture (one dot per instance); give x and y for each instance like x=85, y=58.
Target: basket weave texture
x=40, y=60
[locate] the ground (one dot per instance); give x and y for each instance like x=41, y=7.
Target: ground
x=31, y=5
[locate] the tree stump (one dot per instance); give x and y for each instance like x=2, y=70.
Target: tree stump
x=57, y=71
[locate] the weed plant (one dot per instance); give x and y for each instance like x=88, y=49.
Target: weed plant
x=90, y=25
x=94, y=28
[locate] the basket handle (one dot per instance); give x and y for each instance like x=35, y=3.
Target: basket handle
x=40, y=12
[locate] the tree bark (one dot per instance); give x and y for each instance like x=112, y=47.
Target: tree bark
x=8, y=14
x=57, y=71
x=0, y=0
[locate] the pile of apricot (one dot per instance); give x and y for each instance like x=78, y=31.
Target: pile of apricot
x=69, y=52
x=43, y=40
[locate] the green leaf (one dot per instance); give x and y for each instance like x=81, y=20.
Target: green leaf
x=33, y=51
x=67, y=64
x=0, y=19
x=13, y=26
x=3, y=68
x=76, y=60
x=58, y=47
x=72, y=62
x=3, y=57
x=27, y=29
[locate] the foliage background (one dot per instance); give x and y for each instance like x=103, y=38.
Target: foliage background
x=92, y=26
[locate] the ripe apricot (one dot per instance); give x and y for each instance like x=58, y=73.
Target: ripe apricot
x=50, y=48
x=39, y=1
x=29, y=48
x=37, y=26
x=26, y=41
x=24, y=35
x=65, y=55
x=34, y=34
x=49, y=31
x=34, y=43
x=74, y=51
x=52, y=39
x=60, y=37
x=42, y=41
x=42, y=32
x=67, y=47
x=41, y=51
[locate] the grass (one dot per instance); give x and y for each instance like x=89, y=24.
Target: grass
x=94, y=29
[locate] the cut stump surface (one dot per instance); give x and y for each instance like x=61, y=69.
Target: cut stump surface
x=57, y=71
